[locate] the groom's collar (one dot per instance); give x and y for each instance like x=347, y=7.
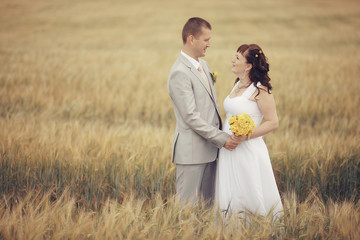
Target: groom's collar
x=191, y=60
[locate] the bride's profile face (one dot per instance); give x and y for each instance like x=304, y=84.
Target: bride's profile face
x=239, y=65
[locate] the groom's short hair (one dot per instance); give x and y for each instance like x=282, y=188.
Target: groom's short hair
x=194, y=27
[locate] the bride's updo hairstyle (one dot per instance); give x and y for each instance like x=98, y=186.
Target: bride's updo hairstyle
x=260, y=67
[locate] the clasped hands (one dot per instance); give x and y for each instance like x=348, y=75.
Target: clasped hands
x=233, y=141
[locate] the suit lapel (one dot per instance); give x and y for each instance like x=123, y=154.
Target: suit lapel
x=198, y=75
x=207, y=72
x=211, y=93
x=200, y=78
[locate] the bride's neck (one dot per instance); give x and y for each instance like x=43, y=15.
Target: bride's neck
x=244, y=81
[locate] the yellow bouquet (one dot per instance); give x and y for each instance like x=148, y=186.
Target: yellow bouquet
x=242, y=124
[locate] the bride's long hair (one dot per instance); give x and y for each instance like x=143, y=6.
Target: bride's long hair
x=260, y=67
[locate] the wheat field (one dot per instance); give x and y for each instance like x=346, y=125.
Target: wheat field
x=86, y=124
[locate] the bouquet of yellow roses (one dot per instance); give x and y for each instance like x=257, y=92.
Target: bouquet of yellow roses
x=242, y=124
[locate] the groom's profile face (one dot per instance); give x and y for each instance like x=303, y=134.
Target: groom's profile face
x=202, y=42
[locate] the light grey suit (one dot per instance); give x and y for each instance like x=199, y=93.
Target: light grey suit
x=197, y=136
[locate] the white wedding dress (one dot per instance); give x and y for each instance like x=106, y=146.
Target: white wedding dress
x=244, y=178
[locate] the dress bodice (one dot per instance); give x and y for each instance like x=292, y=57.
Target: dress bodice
x=242, y=104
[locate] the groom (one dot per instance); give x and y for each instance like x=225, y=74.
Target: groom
x=197, y=136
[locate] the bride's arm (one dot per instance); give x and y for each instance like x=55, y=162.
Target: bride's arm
x=267, y=107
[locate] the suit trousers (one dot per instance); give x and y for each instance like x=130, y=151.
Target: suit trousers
x=195, y=183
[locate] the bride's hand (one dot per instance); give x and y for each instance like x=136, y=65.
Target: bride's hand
x=239, y=139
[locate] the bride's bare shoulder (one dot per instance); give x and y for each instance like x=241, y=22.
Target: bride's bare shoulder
x=264, y=89
x=263, y=93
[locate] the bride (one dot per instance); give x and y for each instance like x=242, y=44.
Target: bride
x=244, y=178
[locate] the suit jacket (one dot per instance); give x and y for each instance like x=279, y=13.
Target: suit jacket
x=197, y=136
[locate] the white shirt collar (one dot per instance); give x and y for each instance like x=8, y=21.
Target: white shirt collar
x=192, y=60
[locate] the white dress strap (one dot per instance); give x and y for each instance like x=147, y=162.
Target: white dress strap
x=234, y=87
x=250, y=90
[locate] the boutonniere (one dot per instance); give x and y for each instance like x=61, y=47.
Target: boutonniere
x=214, y=76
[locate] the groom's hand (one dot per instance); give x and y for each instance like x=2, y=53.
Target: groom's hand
x=232, y=142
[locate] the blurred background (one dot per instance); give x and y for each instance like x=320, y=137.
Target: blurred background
x=84, y=105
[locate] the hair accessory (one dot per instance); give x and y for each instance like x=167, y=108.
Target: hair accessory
x=256, y=55
x=260, y=51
